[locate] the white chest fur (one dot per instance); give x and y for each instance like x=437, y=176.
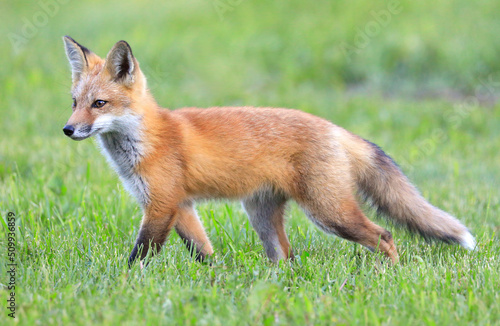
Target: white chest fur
x=124, y=150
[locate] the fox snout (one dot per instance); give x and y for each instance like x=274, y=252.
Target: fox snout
x=77, y=132
x=69, y=130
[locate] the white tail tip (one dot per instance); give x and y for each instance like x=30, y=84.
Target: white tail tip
x=467, y=241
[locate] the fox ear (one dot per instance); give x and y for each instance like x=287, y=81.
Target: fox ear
x=121, y=64
x=77, y=56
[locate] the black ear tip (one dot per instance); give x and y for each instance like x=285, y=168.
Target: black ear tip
x=123, y=43
x=68, y=38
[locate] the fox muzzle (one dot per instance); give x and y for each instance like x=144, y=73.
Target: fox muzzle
x=69, y=130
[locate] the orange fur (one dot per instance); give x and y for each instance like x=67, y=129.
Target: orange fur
x=264, y=156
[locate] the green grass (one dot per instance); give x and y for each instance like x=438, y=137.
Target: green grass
x=423, y=88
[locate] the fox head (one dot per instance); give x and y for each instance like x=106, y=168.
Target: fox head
x=107, y=93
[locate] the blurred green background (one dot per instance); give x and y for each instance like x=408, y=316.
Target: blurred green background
x=419, y=78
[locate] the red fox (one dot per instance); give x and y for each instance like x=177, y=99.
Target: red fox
x=263, y=156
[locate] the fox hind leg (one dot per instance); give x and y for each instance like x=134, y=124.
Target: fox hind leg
x=265, y=211
x=346, y=220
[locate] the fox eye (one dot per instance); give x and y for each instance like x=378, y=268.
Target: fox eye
x=99, y=104
x=74, y=103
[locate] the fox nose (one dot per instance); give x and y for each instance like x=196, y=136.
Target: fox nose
x=68, y=130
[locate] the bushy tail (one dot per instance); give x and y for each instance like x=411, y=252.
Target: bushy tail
x=381, y=181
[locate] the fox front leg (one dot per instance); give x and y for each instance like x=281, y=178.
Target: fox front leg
x=155, y=227
x=191, y=231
